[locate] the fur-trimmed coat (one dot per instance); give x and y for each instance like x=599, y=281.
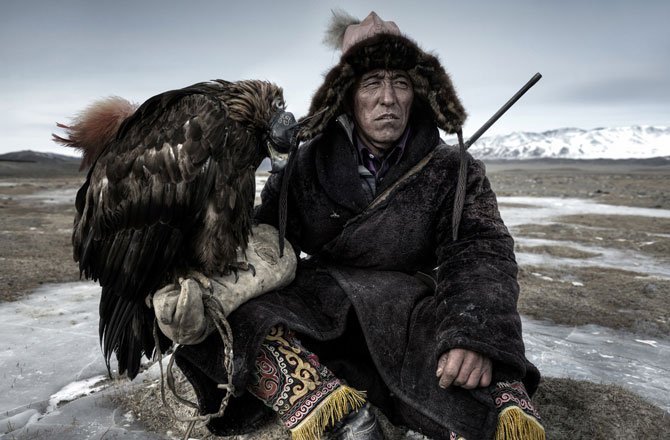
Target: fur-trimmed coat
x=361, y=302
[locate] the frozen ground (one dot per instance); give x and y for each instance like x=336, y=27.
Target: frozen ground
x=517, y=211
x=49, y=354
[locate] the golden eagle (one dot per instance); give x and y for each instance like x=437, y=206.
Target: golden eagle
x=170, y=189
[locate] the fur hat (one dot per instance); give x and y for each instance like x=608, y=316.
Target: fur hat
x=378, y=44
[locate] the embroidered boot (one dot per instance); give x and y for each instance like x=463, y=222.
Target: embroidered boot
x=358, y=425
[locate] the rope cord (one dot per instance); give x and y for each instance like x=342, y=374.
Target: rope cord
x=215, y=311
x=459, y=197
x=283, y=195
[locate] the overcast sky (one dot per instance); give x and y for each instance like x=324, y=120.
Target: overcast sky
x=604, y=62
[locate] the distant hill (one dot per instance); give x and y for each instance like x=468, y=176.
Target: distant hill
x=37, y=157
x=635, y=142
x=35, y=164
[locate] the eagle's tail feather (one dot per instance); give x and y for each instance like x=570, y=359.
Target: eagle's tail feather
x=126, y=328
x=95, y=127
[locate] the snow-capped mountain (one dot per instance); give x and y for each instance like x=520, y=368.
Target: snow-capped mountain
x=635, y=142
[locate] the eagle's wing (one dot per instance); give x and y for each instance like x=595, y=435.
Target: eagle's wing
x=143, y=202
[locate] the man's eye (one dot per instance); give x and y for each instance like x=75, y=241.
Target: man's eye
x=401, y=83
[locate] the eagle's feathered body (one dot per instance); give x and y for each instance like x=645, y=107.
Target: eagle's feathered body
x=172, y=191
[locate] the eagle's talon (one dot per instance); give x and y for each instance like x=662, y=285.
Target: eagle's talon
x=199, y=277
x=238, y=266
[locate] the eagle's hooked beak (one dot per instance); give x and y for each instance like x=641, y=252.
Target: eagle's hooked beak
x=283, y=131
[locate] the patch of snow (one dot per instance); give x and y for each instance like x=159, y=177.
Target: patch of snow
x=649, y=342
x=75, y=390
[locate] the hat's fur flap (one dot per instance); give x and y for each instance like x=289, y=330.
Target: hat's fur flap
x=432, y=85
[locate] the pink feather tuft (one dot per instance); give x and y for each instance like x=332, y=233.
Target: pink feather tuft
x=95, y=127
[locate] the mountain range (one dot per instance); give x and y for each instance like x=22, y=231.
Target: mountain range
x=634, y=142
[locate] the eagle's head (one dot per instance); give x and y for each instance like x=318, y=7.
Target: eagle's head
x=253, y=103
x=259, y=106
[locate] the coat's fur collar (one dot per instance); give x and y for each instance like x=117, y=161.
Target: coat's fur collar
x=433, y=89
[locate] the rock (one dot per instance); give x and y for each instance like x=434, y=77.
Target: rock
x=650, y=289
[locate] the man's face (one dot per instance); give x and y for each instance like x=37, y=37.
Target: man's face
x=382, y=102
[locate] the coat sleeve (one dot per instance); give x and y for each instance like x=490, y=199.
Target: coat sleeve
x=477, y=288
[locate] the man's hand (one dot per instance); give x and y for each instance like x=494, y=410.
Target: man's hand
x=464, y=368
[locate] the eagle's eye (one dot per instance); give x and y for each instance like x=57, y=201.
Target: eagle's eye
x=278, y=103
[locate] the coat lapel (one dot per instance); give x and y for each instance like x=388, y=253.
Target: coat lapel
x=423, y=139
x=337, y=168
x=337, y=162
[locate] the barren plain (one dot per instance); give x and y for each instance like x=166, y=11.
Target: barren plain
x=35, y=228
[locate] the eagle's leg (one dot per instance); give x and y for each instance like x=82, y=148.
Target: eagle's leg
x=240, y=265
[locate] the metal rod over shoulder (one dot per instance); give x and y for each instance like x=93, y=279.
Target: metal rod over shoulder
x=492, y=120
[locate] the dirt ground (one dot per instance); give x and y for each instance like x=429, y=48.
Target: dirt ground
x=35, y=238
x=35, y=248
x=570, y=410
x=629, y=183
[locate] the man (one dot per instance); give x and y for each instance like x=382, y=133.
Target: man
x=408, y=299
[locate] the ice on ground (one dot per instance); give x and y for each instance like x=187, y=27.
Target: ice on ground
x=622, y=259
x=64, y=196
x=544, y=210
x=49, y=340
x=51, y=355
x=601, y=355
x=517, y=211
x=92, y=417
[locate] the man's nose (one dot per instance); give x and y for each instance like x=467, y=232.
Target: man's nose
x=388, y=96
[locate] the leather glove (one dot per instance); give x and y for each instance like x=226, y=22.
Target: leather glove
x=179, y=307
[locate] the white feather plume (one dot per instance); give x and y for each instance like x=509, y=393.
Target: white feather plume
x=338, y=25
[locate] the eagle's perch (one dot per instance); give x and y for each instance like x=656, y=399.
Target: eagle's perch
x=170, y=189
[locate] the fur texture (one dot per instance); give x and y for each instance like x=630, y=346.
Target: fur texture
x=433, y=89
x=95, y=127
x=359, y=280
